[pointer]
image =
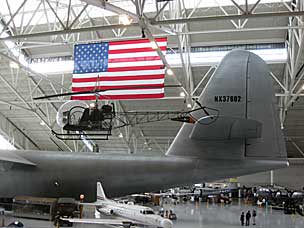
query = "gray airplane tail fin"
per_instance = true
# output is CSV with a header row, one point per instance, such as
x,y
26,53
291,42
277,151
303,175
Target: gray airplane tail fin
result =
x,y
101,196
243,118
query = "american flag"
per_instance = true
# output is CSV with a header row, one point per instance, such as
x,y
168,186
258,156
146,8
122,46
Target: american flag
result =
x,y
130,69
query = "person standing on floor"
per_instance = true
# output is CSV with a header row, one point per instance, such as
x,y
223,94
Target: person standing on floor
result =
x,y
254,214
248,216
242,218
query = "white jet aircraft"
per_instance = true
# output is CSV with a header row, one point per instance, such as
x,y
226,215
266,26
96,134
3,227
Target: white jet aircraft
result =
x,y
134,214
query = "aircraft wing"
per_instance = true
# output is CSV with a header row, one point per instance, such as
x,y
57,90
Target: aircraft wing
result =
x,y
10,156
114,222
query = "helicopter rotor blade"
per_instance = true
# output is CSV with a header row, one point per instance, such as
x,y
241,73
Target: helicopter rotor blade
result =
x,y
67,94
100,90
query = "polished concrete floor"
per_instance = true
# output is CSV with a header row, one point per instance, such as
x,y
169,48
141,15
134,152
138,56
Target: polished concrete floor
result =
x,y
204,215
217,216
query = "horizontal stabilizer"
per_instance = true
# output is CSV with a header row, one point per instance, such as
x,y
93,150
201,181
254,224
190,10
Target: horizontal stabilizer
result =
x,y
10,156
225,128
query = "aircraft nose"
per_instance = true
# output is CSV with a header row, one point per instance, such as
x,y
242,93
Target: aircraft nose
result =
x,y
166,223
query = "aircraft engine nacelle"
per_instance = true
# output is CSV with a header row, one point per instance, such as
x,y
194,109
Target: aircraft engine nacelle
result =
x,y
106,211
70,111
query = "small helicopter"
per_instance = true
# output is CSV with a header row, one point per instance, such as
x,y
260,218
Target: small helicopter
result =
x,y
97,120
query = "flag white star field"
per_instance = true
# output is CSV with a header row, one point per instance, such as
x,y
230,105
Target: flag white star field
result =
x,y
129,69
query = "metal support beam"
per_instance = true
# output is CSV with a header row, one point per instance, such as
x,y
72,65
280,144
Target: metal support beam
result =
x,y
297,147
294,72
38,115
13,16
15,135
27,69
39,44
15,105
160,10
56,15
184,45
278,81
254,6
103,4
239,7
227,17
78,16
153,22
204,78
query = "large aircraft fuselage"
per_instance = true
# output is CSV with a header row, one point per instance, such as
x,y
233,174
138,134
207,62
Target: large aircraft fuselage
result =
x,y
72,174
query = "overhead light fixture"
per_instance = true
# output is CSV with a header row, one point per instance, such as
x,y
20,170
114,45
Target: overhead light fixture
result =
x,y
125,19
169,72
182,94
153,45
120,135
42,123
149,148
14,65
189,105
81,197
303,86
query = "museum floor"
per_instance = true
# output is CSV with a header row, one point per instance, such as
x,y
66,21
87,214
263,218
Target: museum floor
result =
x,y
204,215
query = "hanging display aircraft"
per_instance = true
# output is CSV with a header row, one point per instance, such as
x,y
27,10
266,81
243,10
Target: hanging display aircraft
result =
x,y
97,120
242,136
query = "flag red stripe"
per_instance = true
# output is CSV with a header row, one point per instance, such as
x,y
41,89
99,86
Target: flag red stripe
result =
x,y
131,68
119,87
119,78
130,50
163,39
134,59
120,97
